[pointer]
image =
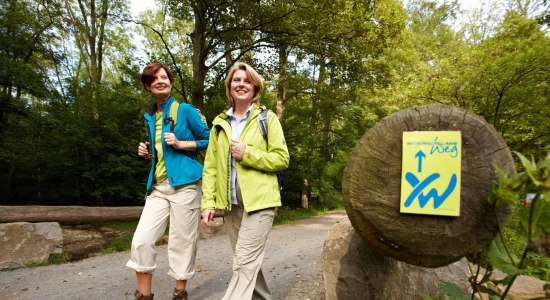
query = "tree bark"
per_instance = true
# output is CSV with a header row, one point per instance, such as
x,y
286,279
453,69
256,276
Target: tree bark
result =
x,y
198,39
281,81
313,126
372,188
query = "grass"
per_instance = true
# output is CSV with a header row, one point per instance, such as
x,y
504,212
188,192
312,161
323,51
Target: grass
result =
x,y
119,244
117,225
54,259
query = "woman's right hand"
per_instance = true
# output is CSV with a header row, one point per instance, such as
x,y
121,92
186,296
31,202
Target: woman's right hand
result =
x,y
142,150
208,216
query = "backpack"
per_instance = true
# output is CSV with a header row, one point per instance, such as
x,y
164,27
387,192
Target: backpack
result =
x,y
282,175
174,108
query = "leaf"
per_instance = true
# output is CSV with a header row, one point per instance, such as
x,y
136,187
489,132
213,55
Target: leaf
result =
x,y
502,178
530,168
502,197
541,216
546,183
515,183
501,259
453,291
429,297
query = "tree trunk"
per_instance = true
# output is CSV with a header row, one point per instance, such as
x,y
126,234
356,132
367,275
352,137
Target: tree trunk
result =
x,y
313,125
281,82
198,39
72,214
305,193
372,188
324,154
93,36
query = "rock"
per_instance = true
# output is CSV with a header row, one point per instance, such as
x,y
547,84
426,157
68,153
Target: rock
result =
x,y
81,242
23,243
217,227
524,288
352,271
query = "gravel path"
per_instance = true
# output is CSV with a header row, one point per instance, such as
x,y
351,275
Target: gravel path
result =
x,y
292,267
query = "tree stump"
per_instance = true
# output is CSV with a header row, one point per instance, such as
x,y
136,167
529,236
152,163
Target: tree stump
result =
x,y
372,184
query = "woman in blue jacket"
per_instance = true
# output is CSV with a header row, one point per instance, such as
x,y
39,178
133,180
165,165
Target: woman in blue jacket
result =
x,y
173,188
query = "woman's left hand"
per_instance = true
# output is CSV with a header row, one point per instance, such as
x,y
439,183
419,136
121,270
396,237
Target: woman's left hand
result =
x,y
171,139
237,149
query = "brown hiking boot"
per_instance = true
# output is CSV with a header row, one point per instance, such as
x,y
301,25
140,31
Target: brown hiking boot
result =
x,y
140,296
180,295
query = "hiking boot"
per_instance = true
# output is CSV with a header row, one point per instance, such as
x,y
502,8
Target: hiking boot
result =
x,y
180,295
140,296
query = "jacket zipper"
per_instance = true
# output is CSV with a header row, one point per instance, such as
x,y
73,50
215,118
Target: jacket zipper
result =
x,y
229,171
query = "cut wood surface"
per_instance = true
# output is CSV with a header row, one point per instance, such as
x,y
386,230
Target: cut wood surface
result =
x,y
372,185
68,214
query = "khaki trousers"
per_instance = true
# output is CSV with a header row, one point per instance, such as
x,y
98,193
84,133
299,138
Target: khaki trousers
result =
x,y
248,234
179,207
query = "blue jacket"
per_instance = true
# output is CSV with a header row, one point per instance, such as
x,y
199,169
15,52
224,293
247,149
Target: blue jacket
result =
x,y
181,165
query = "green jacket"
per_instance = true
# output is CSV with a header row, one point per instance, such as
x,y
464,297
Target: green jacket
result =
x,y
256,172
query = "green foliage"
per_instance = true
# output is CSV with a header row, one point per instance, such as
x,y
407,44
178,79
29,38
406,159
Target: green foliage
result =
x,y
501,258
515,251
61,258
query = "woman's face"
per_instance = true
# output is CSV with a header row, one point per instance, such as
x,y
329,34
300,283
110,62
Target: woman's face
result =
x,y
161,86
242,90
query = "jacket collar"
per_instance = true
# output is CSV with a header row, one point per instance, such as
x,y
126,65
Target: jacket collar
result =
x,y
164,106
220,118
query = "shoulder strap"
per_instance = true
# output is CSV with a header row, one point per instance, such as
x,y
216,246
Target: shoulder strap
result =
x,y
262,123
174,108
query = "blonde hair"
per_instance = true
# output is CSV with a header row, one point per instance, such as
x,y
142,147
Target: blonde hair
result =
x,y
252,75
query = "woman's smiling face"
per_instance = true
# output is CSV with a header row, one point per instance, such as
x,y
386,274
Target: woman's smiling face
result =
x,y
161,86
242,90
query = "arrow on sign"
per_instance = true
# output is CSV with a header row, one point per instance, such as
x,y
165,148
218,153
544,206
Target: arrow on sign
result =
x,y
420,154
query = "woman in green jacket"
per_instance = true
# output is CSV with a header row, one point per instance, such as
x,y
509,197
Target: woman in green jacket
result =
x,y
239,177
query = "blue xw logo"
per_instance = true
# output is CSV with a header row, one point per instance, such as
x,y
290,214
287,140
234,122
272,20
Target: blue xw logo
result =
x,y
420,186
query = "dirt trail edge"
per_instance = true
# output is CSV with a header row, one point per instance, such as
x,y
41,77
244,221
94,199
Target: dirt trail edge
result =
x,y
292,268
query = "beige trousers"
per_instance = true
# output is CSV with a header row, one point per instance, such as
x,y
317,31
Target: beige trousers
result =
x,y
248,234
179,207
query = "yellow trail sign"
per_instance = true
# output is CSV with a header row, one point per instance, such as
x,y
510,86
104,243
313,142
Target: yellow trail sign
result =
x,y
430,177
